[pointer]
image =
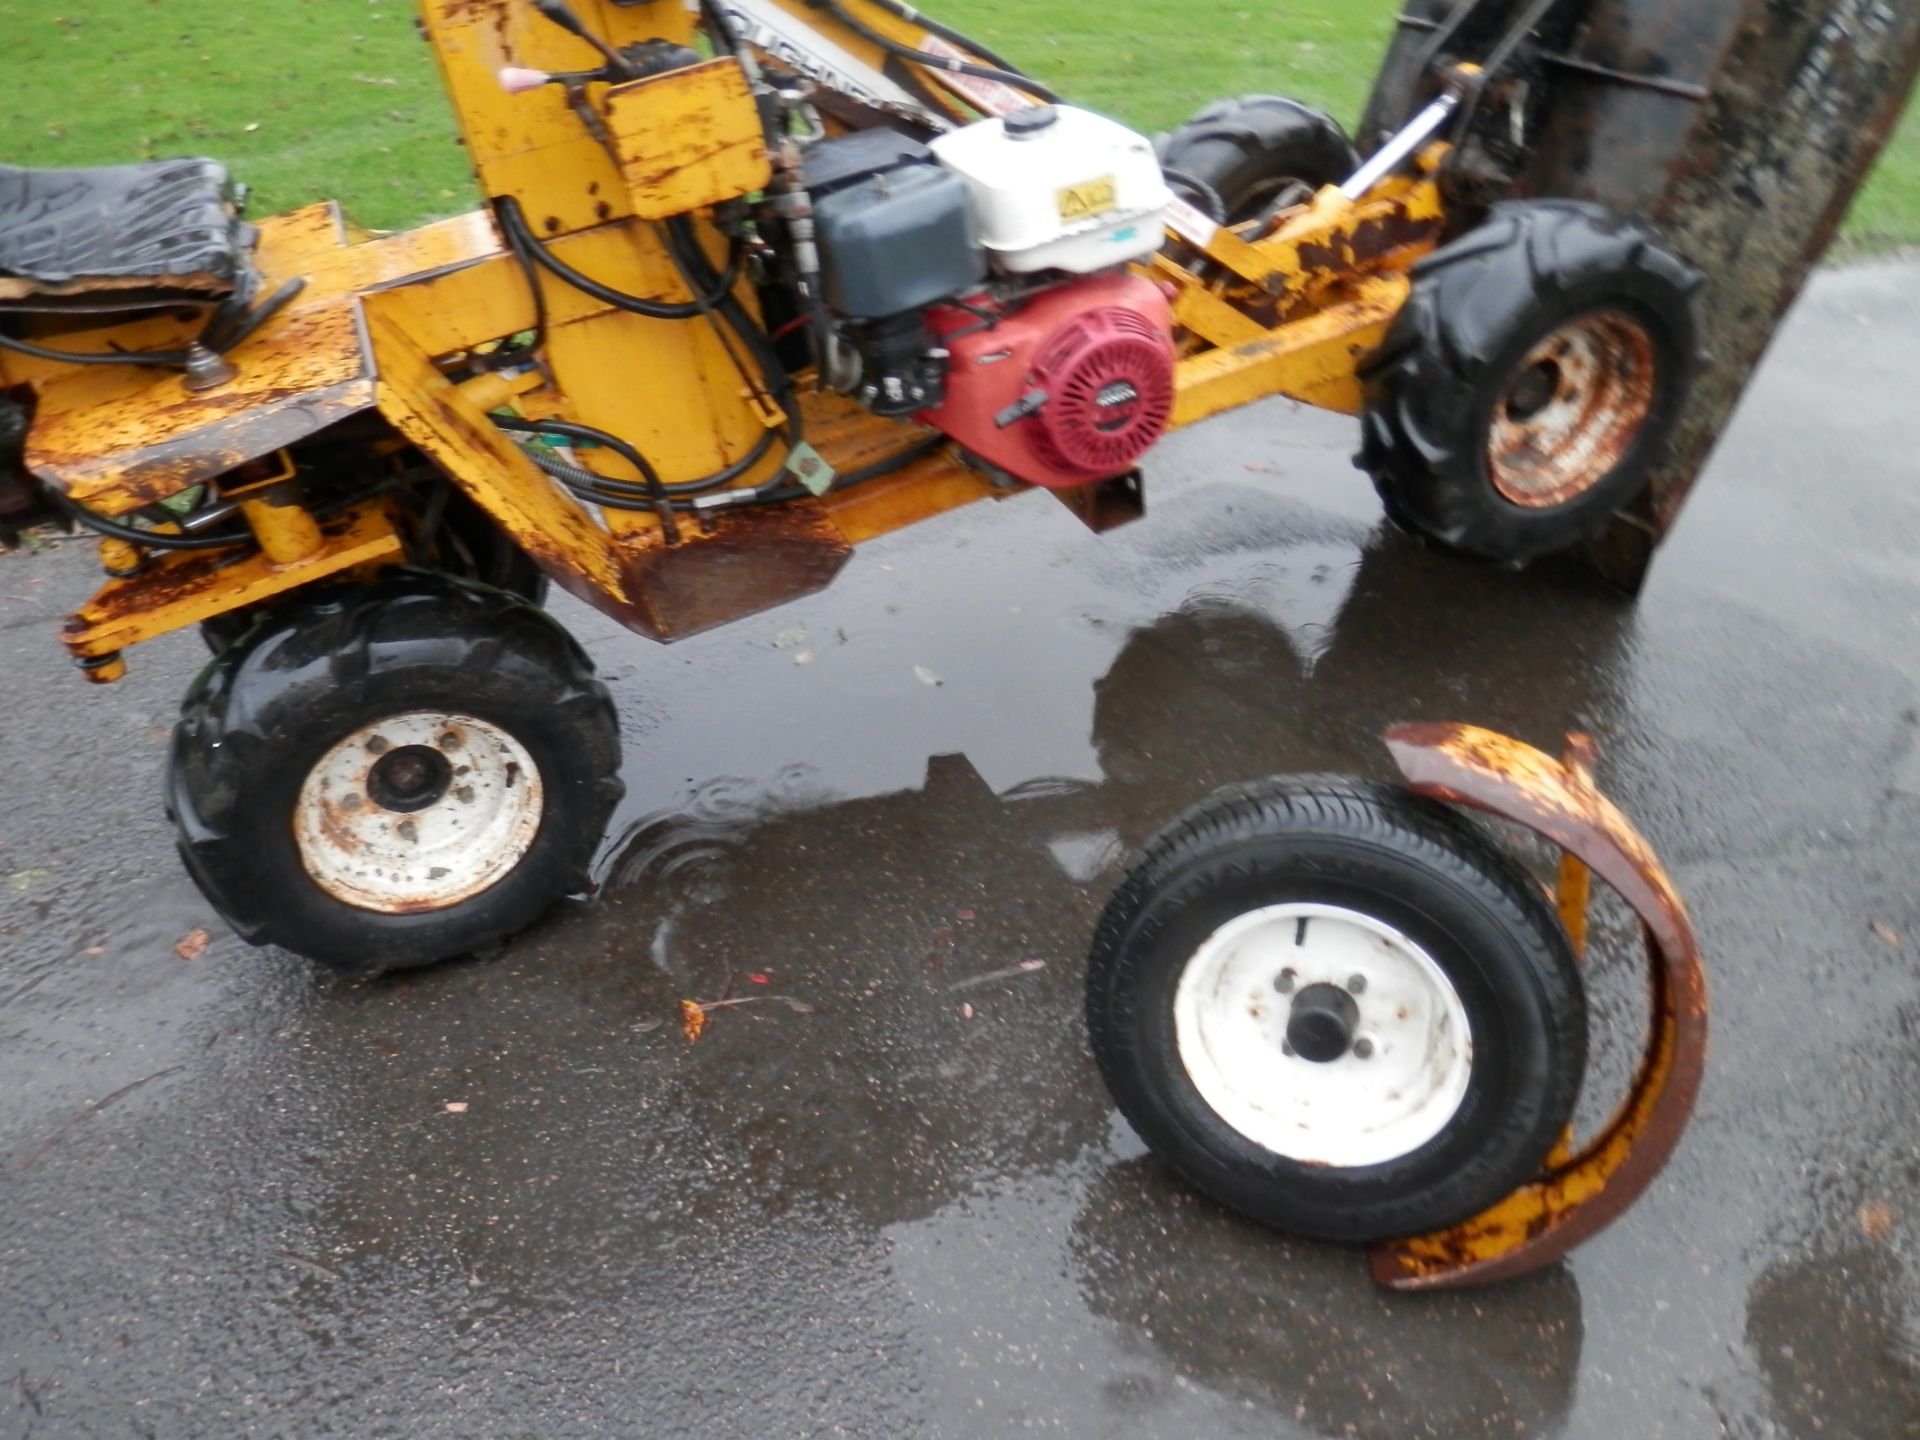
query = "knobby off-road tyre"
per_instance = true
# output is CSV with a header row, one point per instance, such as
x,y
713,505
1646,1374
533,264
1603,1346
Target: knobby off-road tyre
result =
x,y
1260,150
1335,1007
1533,380
378,777
469,545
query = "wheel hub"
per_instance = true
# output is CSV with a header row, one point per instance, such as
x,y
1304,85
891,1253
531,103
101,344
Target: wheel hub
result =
x,y
1321,1023
409,780
1573,410
1323,1034
417,812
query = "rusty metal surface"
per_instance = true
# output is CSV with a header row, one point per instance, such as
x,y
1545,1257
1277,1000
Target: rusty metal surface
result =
x,y
1313,358
688,139
1106,504
554,530
1580,1196
746,562
1578,402
1750,185
179,589
118,439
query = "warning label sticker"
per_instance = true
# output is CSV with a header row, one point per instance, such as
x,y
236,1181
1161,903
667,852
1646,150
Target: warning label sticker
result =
x,y
1083,201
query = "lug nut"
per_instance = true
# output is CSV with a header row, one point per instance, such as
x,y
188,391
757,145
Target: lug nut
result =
x,y
1363,1049
1284,981
1356,985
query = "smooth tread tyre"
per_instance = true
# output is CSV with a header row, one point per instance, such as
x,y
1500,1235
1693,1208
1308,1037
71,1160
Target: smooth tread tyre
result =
x,y
1260,151
1533,380
381,776
1335,1007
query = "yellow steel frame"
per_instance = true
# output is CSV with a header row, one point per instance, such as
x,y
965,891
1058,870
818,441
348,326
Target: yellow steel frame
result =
x,y
383,325
1291,313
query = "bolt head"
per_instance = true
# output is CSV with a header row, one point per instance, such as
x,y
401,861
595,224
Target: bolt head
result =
x,y
1363,1049
1285,980
1356,984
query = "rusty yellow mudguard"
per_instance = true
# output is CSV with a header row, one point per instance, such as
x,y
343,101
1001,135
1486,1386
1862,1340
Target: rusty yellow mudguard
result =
x,y
1578,1195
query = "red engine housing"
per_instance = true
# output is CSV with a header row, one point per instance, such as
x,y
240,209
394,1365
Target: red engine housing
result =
x,y
1099,350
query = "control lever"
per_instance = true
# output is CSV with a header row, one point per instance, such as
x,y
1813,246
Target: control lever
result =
x,y
560,13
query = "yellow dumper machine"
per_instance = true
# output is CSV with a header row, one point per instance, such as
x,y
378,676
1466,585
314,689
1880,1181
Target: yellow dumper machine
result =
x,y
758,279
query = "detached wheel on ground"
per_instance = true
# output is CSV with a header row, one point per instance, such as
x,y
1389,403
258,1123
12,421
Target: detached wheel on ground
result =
x,y
1336,1008
1258,154
1532,381
383,776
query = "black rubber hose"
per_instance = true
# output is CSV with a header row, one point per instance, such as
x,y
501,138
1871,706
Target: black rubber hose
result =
x,y
218,338
656,490
936,62
114,530
605,489
781,494
221,540
947,32
514,221
692,262
147,359
589,485
530,271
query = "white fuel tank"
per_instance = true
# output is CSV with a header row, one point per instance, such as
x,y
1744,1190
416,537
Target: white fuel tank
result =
x,y
1058,188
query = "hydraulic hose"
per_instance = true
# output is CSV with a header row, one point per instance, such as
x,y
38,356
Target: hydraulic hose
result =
x,y
521,237
114,530
148,359
936,62
589,483
220,540
688,258
948,33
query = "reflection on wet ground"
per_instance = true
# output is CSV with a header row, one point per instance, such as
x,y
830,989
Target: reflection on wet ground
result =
x,y
886,1195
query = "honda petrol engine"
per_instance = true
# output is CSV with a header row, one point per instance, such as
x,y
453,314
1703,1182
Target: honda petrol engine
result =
x,y
981,285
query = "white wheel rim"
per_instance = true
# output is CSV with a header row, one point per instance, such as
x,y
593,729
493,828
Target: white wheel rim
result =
x,y
373,839
1396,1087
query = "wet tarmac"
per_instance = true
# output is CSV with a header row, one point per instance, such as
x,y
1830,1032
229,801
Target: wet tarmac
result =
x,y
509,1198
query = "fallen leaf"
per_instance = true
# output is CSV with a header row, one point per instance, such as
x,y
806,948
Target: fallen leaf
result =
x,y
693,1019
759,979
926,676
193,944
1876,1220
966,1012
251,126
96,950
1884,932
963,914
456,1107
647,1027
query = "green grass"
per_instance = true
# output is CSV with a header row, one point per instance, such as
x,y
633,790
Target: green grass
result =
x,y
306,99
